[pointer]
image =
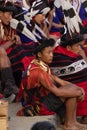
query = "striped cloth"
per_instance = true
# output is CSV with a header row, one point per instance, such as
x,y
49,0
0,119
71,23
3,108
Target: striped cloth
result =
x,y
71,67
20,55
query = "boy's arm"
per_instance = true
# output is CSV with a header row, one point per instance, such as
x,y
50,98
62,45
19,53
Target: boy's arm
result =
x,y
59,81
68,90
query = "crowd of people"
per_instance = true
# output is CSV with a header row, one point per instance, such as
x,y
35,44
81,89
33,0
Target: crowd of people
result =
x,y
43,58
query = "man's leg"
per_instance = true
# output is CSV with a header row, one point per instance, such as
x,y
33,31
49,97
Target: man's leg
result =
x,y
70,114
79,124
6,74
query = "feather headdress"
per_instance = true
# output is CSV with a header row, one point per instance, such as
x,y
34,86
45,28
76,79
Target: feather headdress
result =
x,y
21,27
72,18
37,7
26,29
76,4
84,3
25,5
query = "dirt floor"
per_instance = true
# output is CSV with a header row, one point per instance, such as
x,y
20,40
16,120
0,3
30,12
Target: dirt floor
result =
x,y
25,123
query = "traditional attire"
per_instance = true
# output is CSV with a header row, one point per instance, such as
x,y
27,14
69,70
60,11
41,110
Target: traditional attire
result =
x,y
71,67
16,52
43,102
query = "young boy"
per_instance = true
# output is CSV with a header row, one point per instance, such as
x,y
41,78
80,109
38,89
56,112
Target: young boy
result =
x,y
47,93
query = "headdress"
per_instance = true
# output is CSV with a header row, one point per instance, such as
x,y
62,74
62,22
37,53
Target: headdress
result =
x,y
38,7
84,3
71,17
22,27
25,4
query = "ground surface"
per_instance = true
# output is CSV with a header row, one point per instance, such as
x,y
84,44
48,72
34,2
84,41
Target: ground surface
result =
x,y
25,123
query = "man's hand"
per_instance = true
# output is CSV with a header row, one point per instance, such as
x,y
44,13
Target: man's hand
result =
x,y
81,98
16,39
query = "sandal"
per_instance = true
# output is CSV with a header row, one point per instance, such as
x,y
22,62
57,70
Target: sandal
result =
x,y
27,111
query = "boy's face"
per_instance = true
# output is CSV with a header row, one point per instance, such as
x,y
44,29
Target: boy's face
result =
x,y
46,55
5,17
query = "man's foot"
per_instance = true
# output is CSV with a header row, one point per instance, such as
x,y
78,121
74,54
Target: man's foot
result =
x,y
71,127
81,126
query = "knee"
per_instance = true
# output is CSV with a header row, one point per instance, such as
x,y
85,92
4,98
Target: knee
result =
x,y
79,92
2,51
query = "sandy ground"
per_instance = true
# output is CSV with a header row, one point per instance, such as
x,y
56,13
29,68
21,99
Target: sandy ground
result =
x,y
25,123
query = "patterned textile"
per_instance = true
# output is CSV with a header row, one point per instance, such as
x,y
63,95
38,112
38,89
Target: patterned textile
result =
x,y
73,68
18,53
35,94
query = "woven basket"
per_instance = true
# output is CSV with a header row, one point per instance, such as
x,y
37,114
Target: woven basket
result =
x,y
3,108
3,123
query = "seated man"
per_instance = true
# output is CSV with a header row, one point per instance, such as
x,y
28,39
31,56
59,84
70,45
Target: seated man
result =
x,y
47,93
6,40
70,63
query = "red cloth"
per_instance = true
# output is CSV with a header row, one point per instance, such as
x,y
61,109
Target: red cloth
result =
x,y
33,81
1,96
9,49
85,22
26,61
64,58
55,34
64,51
82,106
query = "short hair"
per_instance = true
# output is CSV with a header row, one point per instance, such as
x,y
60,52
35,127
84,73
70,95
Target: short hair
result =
x,y
66,39
43,43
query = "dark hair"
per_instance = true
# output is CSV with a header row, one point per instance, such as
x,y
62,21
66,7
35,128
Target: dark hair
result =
x,y
43,43
7,7
45,125
66,39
